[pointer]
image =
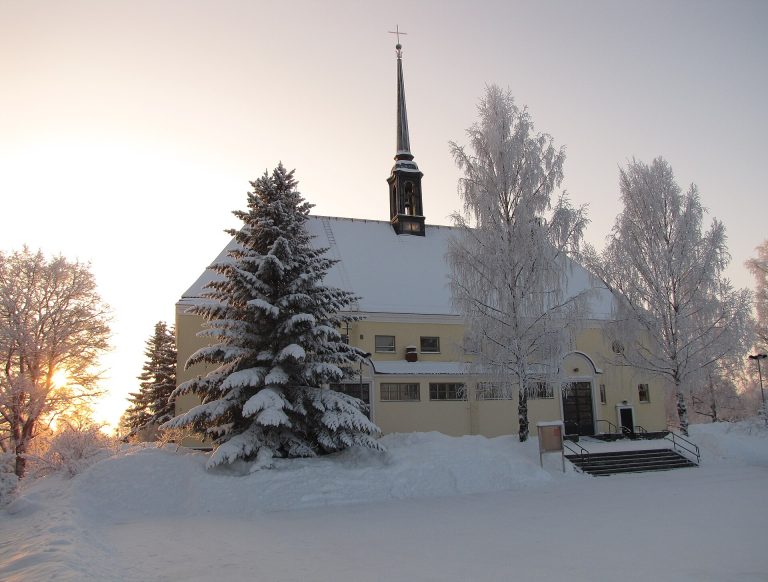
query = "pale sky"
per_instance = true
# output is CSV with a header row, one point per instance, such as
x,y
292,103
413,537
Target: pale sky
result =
x,y
129,130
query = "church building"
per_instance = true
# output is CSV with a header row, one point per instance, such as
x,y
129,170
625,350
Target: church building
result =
x,y
417,376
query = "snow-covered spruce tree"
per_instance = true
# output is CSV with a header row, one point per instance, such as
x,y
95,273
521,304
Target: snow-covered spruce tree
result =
x,y
677,311
137,414
509,263
276,341
158,378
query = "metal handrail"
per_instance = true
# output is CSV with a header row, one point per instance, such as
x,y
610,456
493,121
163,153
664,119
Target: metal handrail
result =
x,y
584,452
636,429
613,427
694,451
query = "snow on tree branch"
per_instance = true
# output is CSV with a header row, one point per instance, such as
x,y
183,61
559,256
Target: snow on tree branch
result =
x,y
510,263
275,339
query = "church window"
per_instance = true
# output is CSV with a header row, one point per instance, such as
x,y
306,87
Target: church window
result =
x,y
354,389
410,226
393,392
430,344
385,343
540,390
446,391
602,394
643,393
494,391
410,199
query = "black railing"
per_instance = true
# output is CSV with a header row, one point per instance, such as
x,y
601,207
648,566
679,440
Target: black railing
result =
x,y
583,455
634,431
612,428
673,437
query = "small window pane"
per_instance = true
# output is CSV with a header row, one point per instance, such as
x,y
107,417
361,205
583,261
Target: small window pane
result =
x,y
446,391
602,394
392,392
494,391
643,393
540,390
356,390
430,345
385,343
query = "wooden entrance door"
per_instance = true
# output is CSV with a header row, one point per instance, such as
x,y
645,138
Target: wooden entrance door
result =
x,y
627,421
577,409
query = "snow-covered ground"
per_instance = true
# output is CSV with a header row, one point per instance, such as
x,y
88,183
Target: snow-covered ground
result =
x,y
431,508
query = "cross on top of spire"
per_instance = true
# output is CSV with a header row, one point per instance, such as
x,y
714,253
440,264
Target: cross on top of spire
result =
x,y
398,46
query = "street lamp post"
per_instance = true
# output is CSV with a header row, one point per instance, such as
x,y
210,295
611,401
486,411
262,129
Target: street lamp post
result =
x,y
757,358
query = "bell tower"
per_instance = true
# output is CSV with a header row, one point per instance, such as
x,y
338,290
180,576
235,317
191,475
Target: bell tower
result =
x,y
405,208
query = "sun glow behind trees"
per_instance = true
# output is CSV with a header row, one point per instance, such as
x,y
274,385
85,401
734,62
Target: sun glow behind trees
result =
x,y
108,191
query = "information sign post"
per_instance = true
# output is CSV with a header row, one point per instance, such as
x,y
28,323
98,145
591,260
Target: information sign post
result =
x,y
550,440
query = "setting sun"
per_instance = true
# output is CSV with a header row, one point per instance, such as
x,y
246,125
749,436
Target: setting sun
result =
x,y
60,378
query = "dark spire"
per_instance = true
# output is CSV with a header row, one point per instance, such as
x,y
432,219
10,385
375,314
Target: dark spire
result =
x,y
403,140
406,212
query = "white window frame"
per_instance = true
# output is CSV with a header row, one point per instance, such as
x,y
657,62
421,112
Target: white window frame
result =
x,y
494,391
460,392
429,337
535,390
385,349
403,389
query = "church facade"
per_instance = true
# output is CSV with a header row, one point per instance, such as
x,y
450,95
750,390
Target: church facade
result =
x,y
417,376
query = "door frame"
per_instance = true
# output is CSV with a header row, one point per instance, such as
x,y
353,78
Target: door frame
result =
x,y
619,408
580,380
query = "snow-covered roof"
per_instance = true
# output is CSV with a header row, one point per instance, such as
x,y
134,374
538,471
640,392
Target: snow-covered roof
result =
x,y
403,367
394,273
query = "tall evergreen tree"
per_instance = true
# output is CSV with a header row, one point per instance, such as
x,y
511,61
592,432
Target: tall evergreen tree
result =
x,y
137,414
276,341
152,404
158,380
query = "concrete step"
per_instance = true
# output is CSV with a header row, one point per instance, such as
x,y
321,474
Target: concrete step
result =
x,y
630,461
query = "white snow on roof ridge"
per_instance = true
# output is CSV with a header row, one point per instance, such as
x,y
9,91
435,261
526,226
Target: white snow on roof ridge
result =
x,y
403,367
393,273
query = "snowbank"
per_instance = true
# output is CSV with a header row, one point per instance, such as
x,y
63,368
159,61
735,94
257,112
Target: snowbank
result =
x,y
743,442
431,508
159,482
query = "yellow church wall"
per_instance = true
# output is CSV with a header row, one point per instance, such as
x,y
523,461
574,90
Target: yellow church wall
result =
x,y
187,343
492,418
450,417
470,416
407,333
621,385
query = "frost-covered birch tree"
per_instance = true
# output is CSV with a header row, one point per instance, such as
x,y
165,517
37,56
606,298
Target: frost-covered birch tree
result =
x,y
759,268
275,338
714,391
510,261
53,328
677,311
